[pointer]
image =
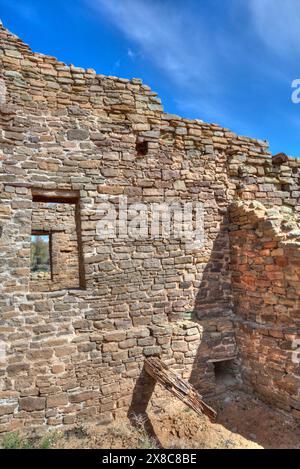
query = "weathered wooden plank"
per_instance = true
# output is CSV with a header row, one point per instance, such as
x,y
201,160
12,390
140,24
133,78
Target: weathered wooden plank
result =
x,y
178,387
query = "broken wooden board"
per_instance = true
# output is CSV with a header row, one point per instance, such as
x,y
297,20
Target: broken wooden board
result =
x,y
178,387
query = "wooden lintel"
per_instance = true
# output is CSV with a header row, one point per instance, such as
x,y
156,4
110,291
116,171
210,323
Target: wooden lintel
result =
x,y
58,196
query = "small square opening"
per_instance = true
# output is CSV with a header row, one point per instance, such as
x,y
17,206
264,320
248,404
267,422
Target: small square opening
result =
x,y
225,372
142,147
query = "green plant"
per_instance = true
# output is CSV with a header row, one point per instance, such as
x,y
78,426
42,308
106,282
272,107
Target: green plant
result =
x,y
49,439
14,441
40,254
144,440
27,444
45,443
11,441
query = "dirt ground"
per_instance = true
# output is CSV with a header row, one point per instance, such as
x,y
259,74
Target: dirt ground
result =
x,y
257,422
243,422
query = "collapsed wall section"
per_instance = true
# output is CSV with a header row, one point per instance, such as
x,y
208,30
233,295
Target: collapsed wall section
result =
x,y
266,280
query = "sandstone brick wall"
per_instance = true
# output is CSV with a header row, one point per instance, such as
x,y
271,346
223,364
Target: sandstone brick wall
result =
x,y
59,220
266,281
77,354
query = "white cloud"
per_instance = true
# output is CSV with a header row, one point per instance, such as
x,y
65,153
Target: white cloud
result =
x,y
165,36
211,57
277,22
178,40
131,54
134,54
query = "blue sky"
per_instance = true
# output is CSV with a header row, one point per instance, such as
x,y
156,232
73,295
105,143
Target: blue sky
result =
x,y
231,62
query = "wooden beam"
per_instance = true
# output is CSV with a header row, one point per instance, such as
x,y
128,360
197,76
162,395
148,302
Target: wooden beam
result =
x,y
178,387
55,196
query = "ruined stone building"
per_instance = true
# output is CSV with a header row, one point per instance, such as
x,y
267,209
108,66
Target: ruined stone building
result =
x,y
73,342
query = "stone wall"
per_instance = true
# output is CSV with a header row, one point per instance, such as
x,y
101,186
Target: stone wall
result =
x,y
265,235
266,282
68,133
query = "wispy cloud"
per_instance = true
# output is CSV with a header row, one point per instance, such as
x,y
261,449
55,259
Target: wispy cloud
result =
x,y
213,65
135,54
277,22
165,35
131,54
26,11
180,42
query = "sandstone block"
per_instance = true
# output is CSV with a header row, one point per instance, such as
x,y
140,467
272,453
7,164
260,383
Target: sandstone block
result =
x,y
31,404
77,134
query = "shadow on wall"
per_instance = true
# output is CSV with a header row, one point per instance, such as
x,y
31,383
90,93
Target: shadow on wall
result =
x,y
212,311
142,393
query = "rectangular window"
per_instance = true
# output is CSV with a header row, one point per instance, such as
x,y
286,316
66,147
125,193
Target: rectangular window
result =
x,y
56,250
40,256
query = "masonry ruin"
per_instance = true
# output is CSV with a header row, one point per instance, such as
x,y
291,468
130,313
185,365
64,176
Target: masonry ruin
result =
x,y
75,340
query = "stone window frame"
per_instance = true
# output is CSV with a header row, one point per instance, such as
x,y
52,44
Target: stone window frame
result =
x,y
65,197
